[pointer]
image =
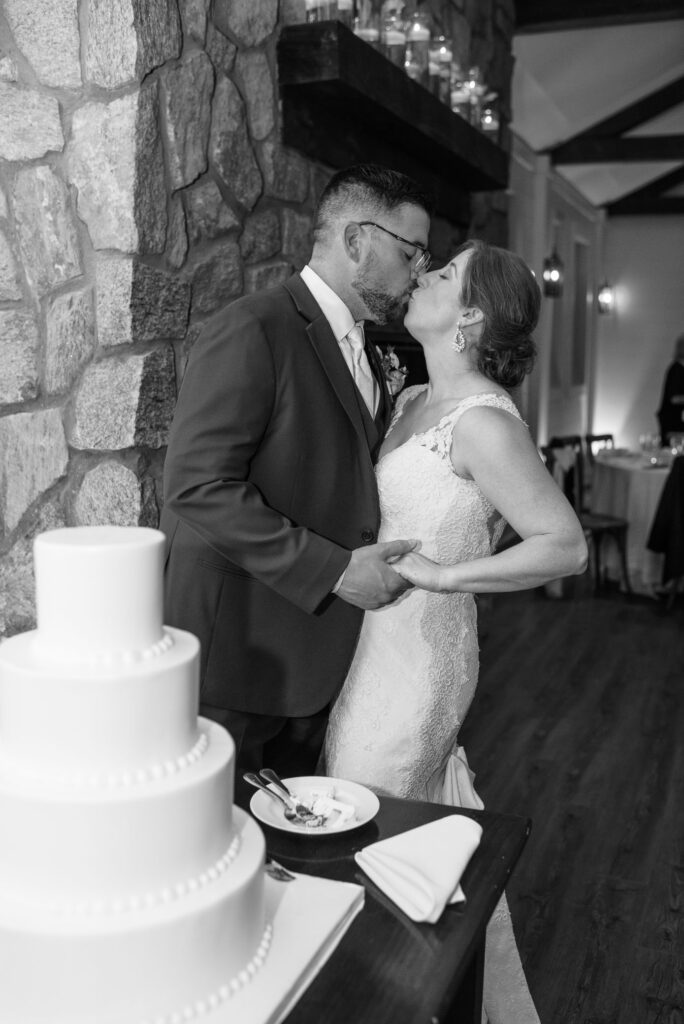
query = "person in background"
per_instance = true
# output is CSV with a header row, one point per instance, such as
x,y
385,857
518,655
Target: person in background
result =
x,y
671,411
456,462
270,500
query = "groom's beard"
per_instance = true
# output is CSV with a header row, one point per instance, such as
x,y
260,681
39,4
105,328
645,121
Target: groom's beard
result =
x,y
382,306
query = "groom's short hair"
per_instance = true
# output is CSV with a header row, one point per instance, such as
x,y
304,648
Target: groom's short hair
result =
x,y
365,190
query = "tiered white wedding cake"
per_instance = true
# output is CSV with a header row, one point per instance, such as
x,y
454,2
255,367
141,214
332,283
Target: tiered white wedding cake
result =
x,y
131,888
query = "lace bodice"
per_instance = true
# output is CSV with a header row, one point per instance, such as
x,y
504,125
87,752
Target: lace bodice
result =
x,y
422,496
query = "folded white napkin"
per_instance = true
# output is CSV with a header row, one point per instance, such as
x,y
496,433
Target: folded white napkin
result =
x,y
420,870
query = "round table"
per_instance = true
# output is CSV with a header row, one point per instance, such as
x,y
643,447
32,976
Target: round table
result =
x,y
628,485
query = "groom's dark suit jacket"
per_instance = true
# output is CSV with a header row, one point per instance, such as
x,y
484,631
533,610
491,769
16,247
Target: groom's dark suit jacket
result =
x,y
268,484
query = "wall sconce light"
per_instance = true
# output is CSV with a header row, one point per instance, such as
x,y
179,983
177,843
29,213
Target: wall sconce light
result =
x,y
553,275
605,298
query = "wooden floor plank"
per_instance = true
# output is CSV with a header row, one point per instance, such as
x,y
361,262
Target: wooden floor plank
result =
x,y
578,722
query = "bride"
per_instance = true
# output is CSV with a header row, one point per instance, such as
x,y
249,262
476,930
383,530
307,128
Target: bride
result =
x,y
456,463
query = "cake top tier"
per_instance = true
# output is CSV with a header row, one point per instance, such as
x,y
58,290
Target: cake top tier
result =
x,y
99,592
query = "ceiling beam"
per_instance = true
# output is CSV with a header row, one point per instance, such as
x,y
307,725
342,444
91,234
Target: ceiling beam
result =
x,y
638,113
651,198
557,15
621,149
645,206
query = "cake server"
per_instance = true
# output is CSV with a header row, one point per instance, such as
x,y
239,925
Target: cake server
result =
x,y
270,776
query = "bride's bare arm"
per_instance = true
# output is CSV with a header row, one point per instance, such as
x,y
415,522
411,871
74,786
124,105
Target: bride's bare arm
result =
x,y
495,450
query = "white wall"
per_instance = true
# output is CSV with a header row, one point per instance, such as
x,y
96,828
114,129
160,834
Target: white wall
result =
x,y
643,260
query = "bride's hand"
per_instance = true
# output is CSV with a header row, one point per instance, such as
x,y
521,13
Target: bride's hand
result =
x,y
420,571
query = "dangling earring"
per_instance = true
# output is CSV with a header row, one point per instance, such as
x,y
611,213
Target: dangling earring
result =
x,y
459,342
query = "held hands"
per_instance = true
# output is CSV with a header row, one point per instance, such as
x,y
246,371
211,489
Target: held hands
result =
x,y
421,572
369,581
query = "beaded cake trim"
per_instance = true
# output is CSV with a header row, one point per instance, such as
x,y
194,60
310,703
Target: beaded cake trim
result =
x,y
114,906
101,659
215,1000
127,778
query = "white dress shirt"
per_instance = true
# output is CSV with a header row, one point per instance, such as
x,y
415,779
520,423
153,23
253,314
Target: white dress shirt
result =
x,y
341,323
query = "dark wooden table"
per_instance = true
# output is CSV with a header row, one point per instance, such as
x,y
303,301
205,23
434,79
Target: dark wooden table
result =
x,y
388,969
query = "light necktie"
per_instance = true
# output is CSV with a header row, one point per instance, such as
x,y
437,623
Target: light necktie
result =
x,y
363,376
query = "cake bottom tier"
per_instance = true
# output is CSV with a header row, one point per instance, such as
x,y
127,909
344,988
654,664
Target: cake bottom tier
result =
x,y
160,965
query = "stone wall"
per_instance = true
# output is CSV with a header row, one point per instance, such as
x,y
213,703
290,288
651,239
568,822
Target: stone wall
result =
x,y
142,187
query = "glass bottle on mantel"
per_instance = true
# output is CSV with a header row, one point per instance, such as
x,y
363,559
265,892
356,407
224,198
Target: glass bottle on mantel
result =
x,y
393,38
345,12
460,93
418,46
440,60
477,89
489,116
321,10
367,22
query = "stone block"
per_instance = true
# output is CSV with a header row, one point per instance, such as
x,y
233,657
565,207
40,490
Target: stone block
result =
x,y
115,160
267,276
286,173
230,150
261,237
221,51
70,339
249,21
46,228
292,12
9,72
18,356
46,32
10,284
17,583
194,19
125,402
127,39
187,92
257,88
4,209
176,234
217,278
137,303
110,495
208,214
30,124
297,236
33,457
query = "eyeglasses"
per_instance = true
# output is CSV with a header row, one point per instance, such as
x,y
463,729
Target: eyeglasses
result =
x,y
424,259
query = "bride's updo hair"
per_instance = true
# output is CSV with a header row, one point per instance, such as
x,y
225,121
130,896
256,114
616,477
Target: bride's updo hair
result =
x,y
503,287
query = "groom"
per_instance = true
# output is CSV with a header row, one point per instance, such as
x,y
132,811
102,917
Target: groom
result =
x,y
271,508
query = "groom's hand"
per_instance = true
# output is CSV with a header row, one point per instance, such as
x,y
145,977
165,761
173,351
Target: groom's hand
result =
x,y
369,581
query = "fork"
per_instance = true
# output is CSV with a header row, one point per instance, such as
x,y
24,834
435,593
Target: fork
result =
x,y
307,817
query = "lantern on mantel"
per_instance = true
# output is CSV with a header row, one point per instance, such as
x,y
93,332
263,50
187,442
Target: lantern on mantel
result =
x,y
553,275
605,298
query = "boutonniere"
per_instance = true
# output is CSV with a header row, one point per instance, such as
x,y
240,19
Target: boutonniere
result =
x,y
395,375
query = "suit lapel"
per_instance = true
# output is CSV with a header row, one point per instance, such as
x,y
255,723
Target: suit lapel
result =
x,y
328,351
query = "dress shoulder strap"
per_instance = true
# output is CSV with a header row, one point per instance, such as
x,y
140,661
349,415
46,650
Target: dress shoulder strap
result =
x,y
493,399
439,437
402,398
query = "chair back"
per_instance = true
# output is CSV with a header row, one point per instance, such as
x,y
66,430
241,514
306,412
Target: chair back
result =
x,y
565,461
596,443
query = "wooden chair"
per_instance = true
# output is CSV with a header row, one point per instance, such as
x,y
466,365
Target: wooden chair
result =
x,y
596,525
596,443
593,443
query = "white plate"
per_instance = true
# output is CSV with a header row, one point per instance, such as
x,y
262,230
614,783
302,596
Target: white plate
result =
x,y
271,812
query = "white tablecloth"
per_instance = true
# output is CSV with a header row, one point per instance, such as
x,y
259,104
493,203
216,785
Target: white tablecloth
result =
x,y
624,485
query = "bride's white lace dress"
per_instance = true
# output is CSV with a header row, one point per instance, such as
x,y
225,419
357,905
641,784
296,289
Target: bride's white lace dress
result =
x,y
395,724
